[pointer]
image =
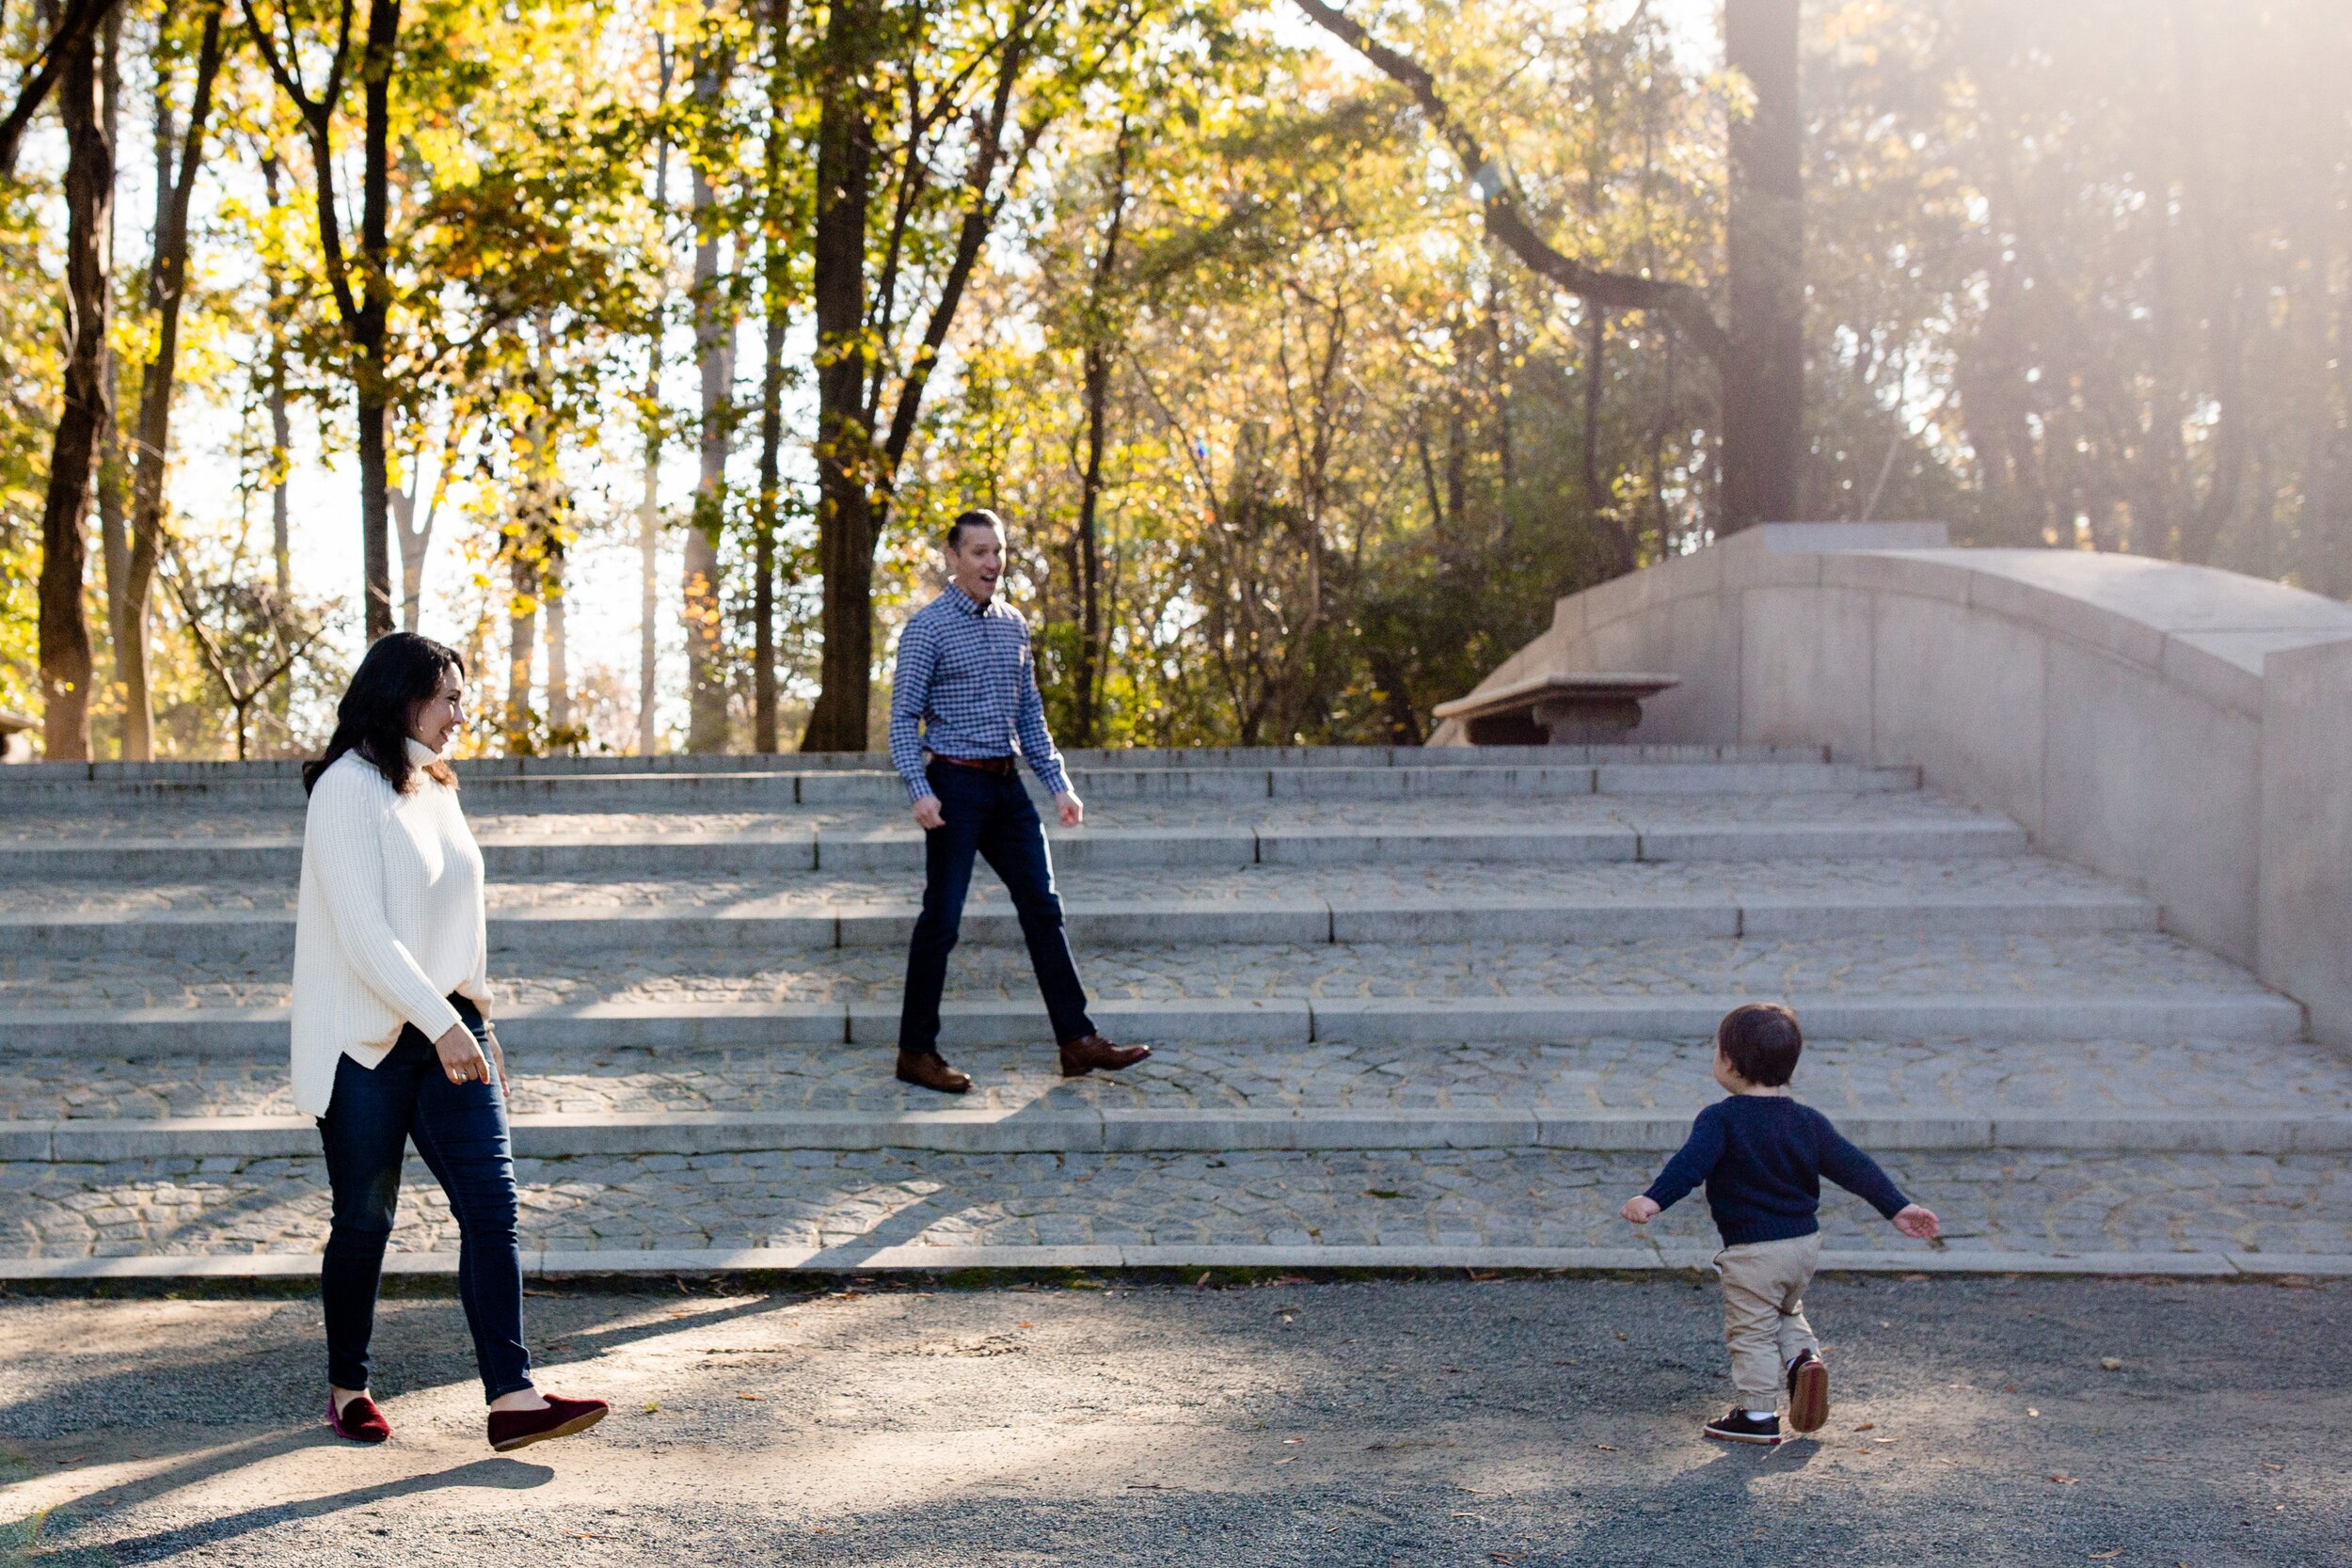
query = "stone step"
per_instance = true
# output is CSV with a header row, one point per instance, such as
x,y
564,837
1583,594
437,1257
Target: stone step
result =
x,y
254,847
1196,756
1392,903
2149,1079
735,789
2006,987
844,1210
561,1136
1629,1094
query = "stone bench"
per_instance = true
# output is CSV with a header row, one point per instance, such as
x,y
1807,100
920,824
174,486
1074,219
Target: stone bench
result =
x,y
1580,709
15,733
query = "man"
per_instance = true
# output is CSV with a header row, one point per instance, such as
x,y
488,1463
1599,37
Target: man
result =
x,y
966,678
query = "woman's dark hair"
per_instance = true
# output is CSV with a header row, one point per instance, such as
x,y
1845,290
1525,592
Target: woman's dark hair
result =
x,y
400,673
1761,1041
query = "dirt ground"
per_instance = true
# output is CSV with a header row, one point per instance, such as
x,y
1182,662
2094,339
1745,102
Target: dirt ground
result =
x,y
1412,1422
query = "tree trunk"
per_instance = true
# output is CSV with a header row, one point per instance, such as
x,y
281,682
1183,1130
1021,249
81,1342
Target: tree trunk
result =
x,y
763,521
523,627
369,332
64,636
649,504
775,302
1763,377
558,660
1096,375
706,627
280,424
167,286
416,541
845,444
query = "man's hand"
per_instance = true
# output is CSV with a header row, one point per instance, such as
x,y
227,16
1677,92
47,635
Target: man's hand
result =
x,y
462,1060
927,814
1640,1209
1918,1223
1073,810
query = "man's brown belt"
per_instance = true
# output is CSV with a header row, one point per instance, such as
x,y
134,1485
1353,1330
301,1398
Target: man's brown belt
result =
x,y
1001,766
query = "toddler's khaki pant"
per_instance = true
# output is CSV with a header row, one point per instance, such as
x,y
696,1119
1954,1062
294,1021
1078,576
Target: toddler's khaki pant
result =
x,y
1764,1313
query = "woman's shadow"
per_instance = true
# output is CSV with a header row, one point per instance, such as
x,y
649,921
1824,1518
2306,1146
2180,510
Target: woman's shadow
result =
x,y
508,1475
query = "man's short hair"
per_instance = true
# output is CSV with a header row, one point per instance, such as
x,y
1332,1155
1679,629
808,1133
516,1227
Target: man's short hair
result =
x,y
980,516
1761,1041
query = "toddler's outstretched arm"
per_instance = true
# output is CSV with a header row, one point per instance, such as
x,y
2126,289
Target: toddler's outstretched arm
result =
x,y
1918,1223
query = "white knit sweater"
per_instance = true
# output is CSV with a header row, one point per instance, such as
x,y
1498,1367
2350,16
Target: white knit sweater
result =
x,y
390,919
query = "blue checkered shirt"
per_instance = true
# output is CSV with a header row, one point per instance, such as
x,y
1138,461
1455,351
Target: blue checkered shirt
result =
x,y
966,680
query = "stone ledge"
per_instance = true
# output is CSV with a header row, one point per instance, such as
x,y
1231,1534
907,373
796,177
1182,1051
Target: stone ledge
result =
x,y
546,1264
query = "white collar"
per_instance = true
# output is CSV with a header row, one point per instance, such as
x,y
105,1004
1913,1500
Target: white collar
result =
x,y
419,754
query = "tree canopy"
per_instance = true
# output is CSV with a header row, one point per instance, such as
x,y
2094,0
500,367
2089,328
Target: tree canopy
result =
x,y
1312,349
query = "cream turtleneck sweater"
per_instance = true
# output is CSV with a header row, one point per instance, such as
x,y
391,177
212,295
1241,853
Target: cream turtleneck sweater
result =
x,y
390,919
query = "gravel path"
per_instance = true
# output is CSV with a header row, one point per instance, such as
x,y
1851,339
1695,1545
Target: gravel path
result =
x,y
1386,1423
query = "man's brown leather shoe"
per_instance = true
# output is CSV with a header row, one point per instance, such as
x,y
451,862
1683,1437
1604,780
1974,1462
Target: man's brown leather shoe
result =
x,y
932,1071
1082,1056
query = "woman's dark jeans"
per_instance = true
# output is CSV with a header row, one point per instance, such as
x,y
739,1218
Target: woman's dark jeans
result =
x,y
460,1130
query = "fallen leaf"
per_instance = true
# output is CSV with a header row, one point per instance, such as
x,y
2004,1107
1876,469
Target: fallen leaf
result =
x,y
1459,1514
1289,1442
653,1406
1606,1447
1286,1459
2031,1411
1620,1334
1507,1557
1028,1325
2267,1465
753,1397
2111,1363
1882,1439
2063,1477
1866,1426
2102,1556
1202,1280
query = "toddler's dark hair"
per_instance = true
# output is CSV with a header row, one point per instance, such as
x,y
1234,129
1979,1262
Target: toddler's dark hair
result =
x,y
1761,1041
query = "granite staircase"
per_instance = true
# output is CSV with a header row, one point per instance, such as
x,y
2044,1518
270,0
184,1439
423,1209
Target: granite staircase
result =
x,y
1409,1007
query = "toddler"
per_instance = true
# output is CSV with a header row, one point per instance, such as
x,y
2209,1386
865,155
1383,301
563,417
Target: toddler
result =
x,y
1763,1156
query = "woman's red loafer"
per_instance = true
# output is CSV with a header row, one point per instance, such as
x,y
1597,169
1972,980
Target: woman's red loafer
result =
x,y
520,1429
359,1419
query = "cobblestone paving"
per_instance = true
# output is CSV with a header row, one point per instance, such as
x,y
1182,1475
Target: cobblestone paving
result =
x,y
1996,1201
1925,1077
1986,879
2137,963
165,822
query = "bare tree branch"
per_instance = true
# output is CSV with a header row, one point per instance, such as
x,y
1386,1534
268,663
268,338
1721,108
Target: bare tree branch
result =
x,y
1506,220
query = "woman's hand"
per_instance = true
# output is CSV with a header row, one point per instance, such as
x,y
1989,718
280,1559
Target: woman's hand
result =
x,y
461,1055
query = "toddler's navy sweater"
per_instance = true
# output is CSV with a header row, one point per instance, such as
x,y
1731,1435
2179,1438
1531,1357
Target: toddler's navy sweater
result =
x,y
1762,1157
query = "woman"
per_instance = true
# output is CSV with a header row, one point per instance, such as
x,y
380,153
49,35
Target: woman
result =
x,y
391,1034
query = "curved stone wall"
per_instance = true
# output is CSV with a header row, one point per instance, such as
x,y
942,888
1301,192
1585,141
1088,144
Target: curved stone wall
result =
x,y
2185,731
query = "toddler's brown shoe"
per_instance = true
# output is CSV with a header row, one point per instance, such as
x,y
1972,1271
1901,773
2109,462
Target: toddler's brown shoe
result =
x,y
1808,1392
